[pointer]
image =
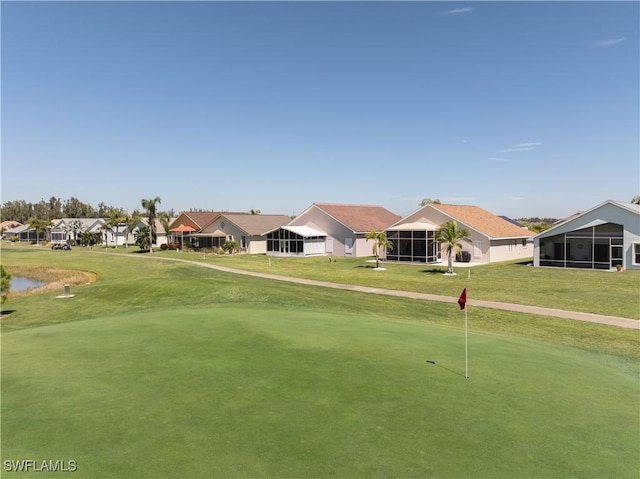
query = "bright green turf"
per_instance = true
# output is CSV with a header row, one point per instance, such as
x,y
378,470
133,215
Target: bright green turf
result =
x,y
266,390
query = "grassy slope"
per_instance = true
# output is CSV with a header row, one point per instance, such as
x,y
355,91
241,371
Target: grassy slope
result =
x,y
262,391
600,292
188,372
138,284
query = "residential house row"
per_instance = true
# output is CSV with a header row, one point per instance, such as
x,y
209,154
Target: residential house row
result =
x,y
602,237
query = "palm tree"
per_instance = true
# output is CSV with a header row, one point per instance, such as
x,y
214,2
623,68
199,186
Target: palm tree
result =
x,y
39,226
164,218
379,241
75,227
150,206
143,238
450,236
132,223
114,220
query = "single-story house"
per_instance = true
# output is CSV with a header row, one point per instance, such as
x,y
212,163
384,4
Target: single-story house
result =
x,y
491,238
7,225
331,229
248,230
24,233
602,237
66,229
126,236
193,224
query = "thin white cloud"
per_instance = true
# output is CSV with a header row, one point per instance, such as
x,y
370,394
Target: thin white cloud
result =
x,y
499,159
456,11
609,43
509,150
516,198
525,145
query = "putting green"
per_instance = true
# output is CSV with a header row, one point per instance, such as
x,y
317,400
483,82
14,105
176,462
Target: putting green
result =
x,y
243,391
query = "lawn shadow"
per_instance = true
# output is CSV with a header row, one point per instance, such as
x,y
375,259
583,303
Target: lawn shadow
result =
x,y
445,368
525,263
6,312
434,271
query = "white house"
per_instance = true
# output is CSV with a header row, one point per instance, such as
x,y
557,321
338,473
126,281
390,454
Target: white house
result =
x,y
602,237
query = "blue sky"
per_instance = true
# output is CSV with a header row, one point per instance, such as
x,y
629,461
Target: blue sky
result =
x,y
521,108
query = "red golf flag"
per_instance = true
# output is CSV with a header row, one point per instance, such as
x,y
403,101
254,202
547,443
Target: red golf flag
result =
x,y
462,300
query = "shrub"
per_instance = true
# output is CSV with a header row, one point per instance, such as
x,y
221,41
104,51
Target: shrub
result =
x,y
13,239
230,246
5,284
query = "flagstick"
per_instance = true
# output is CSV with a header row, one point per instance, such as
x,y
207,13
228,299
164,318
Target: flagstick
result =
x,y
466,354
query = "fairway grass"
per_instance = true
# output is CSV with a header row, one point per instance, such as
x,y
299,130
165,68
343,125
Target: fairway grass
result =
x,y
242,390
161,369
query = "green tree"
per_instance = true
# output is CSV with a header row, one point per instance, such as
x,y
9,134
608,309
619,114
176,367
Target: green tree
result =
x,y
164,219
143,238
74,208
89,238
75,228
379,241
132,223
115,219
230,246
427,201
41,226
150,206
5,284
450,236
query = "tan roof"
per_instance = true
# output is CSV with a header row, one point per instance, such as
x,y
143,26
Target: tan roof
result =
x,y
200,219
10,224
257,224
360,218
481,220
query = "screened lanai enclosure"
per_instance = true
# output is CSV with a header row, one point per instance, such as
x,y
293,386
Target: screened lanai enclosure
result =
x,y
296,241
415,246
594,247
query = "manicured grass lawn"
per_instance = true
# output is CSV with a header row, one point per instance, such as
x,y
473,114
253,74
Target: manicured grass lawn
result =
x,y
600,292
162,369
263,391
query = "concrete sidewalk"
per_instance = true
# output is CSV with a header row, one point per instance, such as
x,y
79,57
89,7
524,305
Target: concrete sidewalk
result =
x,y
556,313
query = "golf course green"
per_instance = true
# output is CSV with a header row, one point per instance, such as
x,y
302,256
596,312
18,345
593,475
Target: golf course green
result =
x,y
159,370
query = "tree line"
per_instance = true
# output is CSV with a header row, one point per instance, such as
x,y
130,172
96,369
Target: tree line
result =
x,y
56,208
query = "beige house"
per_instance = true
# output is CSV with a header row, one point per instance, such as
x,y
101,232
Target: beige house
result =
x,y
491,238
248,230
195,222
331,229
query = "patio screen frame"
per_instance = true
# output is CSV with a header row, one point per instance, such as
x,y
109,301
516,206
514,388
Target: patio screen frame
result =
x,y
412,246
594,247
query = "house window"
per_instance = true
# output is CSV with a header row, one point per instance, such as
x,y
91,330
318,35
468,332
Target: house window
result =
x,y
636,253
329,244
243,242
477,249
348,246
524,242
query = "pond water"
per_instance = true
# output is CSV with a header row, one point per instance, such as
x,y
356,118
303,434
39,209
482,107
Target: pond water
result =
x,y
20,284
